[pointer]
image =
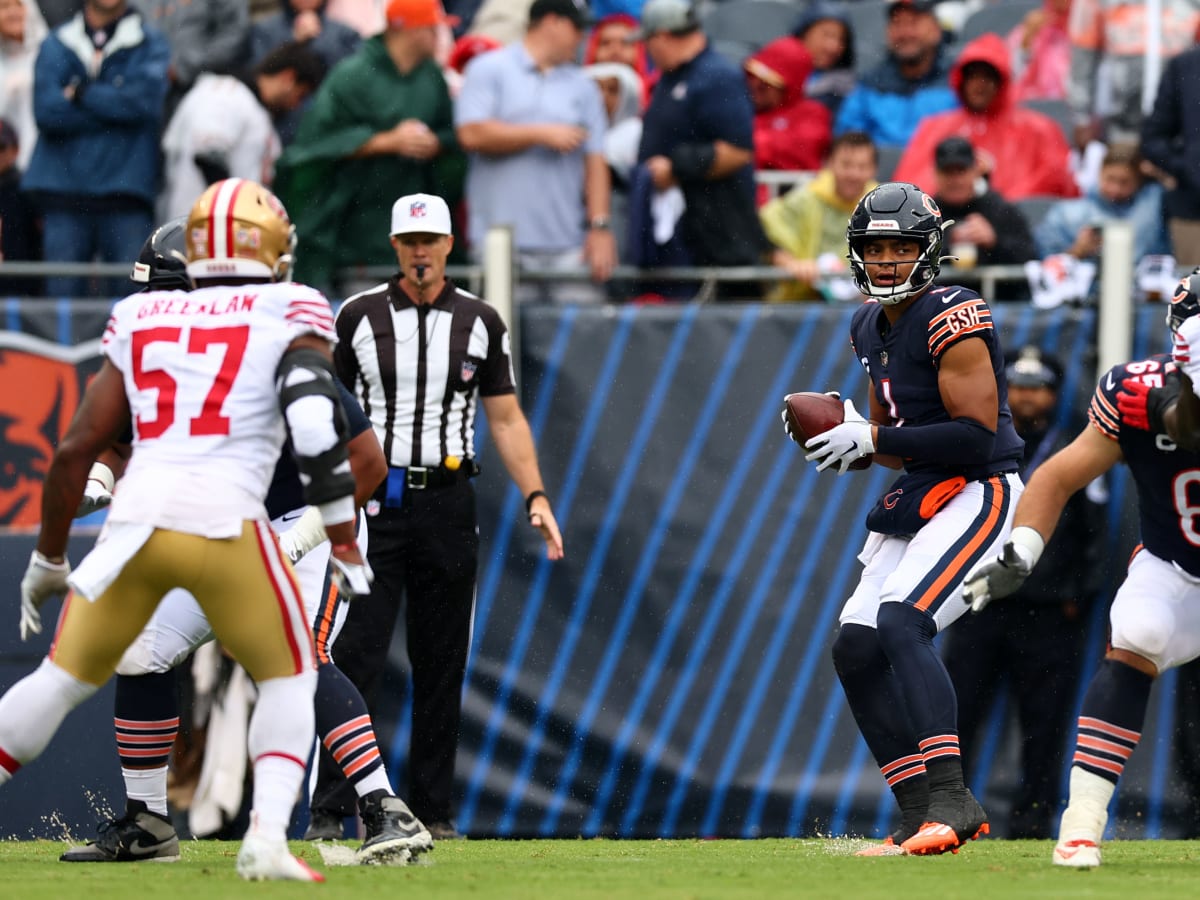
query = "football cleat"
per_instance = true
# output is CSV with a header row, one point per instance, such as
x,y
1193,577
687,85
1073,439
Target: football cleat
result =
x,y
393,834
888,848
1080,853
264,859
138,836
954,817
325,826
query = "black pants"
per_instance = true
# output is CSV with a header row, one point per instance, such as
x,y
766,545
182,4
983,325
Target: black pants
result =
x,y
424,554
1037,649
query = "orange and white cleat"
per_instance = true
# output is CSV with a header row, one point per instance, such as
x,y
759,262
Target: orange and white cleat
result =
x,y
888,848
1080,853
263,859
951,822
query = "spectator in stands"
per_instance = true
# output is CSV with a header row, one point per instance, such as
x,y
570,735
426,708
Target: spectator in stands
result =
x,y
697,136
614,39
790,130
304,21
622,91
20,230
381,124
94,171
987,230
1118,35
22,30
224,129
1023,152
1040,48
825,30
807,225
1075,226
1171,142
205,36
503,20
364,16
909,84
534,126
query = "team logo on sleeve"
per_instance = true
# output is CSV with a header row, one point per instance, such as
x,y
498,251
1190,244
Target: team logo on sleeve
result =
x,y
467,371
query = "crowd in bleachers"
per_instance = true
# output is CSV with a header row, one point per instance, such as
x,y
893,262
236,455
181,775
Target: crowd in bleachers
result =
x,y
628,133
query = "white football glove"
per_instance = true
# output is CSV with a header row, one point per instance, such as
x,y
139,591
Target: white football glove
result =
x,y
1007,572
352,580
43,580
307,533
842,444
97,493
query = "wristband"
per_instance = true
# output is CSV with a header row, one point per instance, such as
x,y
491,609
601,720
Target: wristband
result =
x,y
533,495
1029,543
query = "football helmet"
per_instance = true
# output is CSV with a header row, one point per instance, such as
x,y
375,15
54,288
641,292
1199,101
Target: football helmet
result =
x,y
239,229
897,210
162,264
1185,302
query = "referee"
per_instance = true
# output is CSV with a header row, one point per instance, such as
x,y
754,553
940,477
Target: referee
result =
x,y
419,354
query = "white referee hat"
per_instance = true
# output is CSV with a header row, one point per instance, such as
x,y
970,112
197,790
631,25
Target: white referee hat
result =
x,y
421,213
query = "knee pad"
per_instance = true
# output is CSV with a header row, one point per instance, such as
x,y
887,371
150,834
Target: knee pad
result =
x,y
1143,637
856,648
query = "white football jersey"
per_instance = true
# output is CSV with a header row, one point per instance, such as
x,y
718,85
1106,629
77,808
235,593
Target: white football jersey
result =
x,y
199,371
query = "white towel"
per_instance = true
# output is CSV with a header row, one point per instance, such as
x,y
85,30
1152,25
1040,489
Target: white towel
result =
x,y
666,209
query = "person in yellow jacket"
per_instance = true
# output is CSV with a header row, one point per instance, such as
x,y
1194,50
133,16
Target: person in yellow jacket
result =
x,y
807,225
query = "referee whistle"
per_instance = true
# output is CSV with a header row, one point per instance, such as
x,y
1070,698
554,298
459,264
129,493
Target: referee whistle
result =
x,y
420,272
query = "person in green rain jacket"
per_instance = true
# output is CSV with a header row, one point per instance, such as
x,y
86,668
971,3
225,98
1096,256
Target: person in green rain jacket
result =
x,y
381,125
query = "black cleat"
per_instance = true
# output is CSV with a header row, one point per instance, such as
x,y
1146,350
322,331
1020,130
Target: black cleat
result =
x,y
393,834
138,836
325,826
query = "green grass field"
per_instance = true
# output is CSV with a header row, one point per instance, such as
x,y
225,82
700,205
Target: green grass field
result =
x,y
540,870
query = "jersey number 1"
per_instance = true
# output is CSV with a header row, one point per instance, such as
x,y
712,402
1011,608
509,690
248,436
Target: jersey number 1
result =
x,y
210,421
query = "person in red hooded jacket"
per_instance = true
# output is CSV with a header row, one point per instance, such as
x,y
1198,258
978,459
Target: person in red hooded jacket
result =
x,y
791,131
1023,152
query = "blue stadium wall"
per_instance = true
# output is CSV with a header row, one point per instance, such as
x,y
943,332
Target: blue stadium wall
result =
x,y
671,676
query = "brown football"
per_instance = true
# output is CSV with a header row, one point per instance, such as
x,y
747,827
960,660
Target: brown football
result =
x,y
811,413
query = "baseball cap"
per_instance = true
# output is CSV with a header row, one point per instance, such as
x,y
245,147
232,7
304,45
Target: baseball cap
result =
x,y
925,6
417,14
1033,368
954,152
575,10
674,16
421,213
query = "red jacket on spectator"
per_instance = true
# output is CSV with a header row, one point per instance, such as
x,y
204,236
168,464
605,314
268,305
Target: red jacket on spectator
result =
x,y
1024,151
635,56
797,132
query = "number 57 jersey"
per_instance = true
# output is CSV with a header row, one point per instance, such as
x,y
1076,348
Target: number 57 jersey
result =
x,y
199,372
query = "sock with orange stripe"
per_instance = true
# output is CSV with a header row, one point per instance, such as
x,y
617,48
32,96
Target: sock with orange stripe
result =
x,y
1110,720
345,728
146,720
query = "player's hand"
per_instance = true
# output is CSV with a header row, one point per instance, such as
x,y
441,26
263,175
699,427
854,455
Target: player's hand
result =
x,y
97,493
842,444
43,579
351,573
1142,406
1007,572
787,422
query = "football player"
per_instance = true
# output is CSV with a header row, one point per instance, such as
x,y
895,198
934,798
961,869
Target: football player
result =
x,y
212,381
1155,616
938,409
146,713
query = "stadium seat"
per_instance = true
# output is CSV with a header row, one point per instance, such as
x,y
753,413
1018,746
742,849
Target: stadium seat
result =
x,y
1055,109
744,26
1035,208
888,158
868,19
999,18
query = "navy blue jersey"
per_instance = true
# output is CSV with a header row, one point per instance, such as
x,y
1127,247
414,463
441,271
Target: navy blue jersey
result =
x,y
1167,476
286,493
902,361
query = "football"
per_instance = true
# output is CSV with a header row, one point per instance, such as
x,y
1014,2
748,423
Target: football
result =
x,y
811,413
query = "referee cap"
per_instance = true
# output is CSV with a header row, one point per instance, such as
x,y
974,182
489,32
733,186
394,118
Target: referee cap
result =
x,y
421,213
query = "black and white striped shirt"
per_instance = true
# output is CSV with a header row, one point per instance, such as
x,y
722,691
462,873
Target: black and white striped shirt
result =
x,y
418,370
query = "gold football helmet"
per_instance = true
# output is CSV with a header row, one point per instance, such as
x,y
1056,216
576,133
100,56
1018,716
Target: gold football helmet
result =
x,y
239,228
